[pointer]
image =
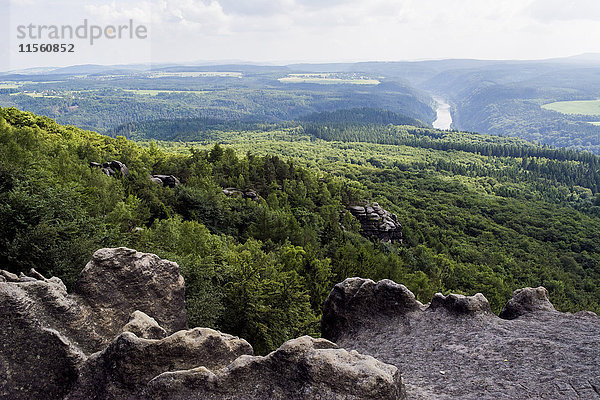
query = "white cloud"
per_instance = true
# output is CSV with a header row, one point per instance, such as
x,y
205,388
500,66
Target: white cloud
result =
x,y
561,10
317,30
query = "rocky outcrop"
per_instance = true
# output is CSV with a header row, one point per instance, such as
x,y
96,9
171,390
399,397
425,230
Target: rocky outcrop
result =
x,y
455,348
165,180
352,304
245,194
105,341
526,301
117,282
124,368
303,368
112,168
459,304
46,332
144,326
376,222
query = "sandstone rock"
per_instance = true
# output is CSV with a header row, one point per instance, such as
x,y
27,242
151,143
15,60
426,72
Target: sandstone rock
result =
x,y
246,194
166,180
303,368
351,304
9,276
36,362
125,367
144,326
117,282
116,166
456,349
526,301
111,168
46,332
376,222
459,304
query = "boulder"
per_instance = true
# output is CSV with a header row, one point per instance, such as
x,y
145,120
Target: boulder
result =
x,y
47,333
117,282
455,348
111,168
116,166
301,369
166,180
246,194
351,304
459,304
525,301
124,368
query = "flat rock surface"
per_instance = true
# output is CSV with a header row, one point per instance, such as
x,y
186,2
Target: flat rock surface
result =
x,y
458,352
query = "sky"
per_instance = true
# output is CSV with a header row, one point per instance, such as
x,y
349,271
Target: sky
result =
x,y
286,31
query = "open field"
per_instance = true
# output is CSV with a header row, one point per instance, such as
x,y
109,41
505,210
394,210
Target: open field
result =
x,y
36,95
154,92
589,107
197,74
326,78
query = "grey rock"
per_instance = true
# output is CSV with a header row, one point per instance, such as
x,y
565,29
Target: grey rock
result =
x,y
111,168
526,301
36,362
156,180
301,369
9,276
124,368
459,304
166,180
116,167
377,223
144,326
246,194
119,281
351,304
456,349
47,333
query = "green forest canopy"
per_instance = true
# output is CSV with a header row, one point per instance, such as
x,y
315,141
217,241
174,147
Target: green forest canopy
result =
x,y
480,214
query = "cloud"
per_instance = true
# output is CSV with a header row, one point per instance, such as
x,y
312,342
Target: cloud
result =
x,y
562,10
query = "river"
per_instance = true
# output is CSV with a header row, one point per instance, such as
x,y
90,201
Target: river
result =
x,y
444,118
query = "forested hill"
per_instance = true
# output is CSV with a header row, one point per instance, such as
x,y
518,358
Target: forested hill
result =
x,y
479,214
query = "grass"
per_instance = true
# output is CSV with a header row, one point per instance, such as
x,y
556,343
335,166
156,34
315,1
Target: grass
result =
x,y
8,86
154,92
329,79
37,95
587,107
595,123
195,74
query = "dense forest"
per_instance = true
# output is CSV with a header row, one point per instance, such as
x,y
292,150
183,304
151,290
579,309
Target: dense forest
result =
x,y
479,214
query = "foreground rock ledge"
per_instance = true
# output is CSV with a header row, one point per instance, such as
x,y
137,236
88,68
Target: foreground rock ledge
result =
x,y
121,335
455,348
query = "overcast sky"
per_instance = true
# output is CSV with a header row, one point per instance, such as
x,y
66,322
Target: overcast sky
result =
x,y
281,31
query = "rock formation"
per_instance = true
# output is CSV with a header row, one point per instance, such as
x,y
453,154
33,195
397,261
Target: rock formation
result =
x,y
246,194
165,180
112,168
455,348
124,369
525,301
121,335
301,369
377,223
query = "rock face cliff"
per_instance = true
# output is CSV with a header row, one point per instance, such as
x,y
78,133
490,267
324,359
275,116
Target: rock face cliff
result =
x,y
455,348
122,335
376,222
